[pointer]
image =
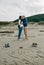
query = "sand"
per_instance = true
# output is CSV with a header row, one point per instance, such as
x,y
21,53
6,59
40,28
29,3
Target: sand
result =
x,y
27,55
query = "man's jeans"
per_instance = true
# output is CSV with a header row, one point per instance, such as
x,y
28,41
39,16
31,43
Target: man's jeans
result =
x,y
19,32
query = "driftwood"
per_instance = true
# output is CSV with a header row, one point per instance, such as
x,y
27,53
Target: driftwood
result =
x,y
41,30
6,31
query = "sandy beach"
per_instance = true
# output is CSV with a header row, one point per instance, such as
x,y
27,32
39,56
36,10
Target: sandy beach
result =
x,y
27,55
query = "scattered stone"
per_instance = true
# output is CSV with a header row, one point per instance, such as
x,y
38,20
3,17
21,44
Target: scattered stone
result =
x,y
21,47
41,30
34,44
7,45
7,31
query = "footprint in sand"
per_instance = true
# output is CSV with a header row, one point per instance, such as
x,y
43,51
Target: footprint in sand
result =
x,y
40,53
27,62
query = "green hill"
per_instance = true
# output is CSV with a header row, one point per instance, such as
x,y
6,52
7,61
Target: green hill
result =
x,y
36,18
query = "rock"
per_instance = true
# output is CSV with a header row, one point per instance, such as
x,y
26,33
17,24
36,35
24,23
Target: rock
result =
x,y
34,44
21,47
7,45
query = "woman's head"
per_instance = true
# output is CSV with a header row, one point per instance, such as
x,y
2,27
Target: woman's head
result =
x,y
19,17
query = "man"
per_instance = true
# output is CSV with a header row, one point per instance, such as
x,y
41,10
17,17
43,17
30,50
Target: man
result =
x,y
25,24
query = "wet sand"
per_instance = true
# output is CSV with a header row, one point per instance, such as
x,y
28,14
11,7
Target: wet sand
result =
x,y
27,55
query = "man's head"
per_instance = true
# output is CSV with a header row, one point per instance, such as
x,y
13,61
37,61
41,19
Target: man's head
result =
x,y
22,17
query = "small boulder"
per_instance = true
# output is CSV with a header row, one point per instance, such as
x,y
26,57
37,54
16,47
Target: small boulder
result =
x,y
7,45
21,47
34,44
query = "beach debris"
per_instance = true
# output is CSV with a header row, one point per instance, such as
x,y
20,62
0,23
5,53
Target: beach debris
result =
x,y
34,44
21,47
7,31
41,30
7,45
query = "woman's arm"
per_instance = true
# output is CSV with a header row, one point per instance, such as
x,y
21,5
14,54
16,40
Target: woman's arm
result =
x,y
19,22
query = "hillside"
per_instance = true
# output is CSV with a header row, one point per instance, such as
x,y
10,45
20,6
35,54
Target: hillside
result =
x,y
36,18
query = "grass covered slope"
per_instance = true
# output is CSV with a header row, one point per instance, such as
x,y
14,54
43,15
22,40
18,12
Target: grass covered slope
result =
x,y
36,18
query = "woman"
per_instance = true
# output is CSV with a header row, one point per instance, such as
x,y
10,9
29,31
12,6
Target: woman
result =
x,y
20,26
25,24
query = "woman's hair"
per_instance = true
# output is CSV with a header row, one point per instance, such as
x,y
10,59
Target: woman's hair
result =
x,y
19,17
